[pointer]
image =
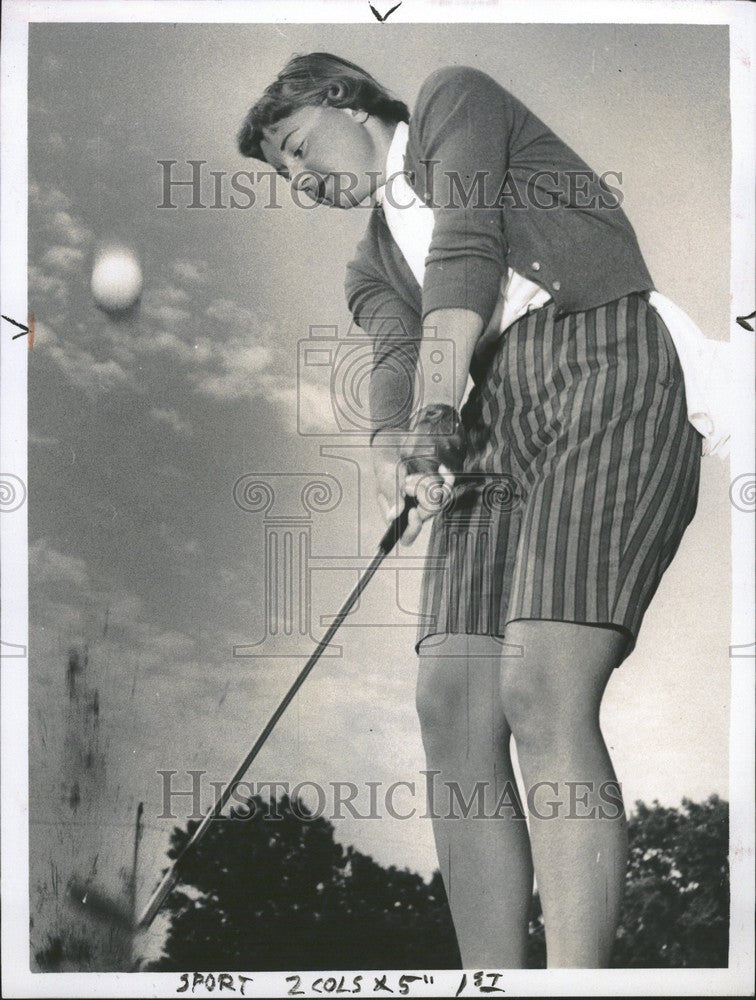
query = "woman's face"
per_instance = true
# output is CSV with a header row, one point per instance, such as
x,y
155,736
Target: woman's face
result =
x,y
330,154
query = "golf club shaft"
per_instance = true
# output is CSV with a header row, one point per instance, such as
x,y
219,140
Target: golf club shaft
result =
x,y
391,537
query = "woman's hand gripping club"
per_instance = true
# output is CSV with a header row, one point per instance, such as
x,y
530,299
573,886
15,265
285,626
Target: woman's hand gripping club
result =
x,y
423,465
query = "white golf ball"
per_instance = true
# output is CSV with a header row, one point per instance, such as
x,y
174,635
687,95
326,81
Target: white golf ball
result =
x,y
116,279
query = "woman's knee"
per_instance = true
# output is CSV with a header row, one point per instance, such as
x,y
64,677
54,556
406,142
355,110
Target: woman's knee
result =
x,y
440,695
532,711
449,691
551,694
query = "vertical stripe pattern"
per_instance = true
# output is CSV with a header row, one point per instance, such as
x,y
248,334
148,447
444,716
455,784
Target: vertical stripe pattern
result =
x,y
588,472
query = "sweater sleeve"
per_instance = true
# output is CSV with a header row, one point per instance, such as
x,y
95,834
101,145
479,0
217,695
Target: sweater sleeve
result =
x,y
395,330
462,124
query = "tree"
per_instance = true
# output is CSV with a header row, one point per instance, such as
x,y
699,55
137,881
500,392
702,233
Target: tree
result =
x,y
677,897
271,893
275,891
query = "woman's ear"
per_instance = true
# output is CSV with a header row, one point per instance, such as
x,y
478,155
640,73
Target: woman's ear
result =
x,y
337,91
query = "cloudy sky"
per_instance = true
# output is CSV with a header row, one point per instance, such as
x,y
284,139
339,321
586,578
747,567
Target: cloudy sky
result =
x,y
139,429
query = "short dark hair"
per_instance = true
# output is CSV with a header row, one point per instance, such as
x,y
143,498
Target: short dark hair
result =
x,y
316,78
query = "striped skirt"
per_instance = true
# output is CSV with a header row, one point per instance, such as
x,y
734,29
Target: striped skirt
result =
x,y
580,479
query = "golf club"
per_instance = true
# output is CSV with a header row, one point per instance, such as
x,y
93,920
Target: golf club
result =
x,y
169,881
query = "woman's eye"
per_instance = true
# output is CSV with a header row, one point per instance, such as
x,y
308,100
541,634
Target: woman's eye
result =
x,y
298,152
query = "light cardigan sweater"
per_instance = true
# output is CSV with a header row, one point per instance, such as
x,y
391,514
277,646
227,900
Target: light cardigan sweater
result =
x,y
532,205
411,224
704,362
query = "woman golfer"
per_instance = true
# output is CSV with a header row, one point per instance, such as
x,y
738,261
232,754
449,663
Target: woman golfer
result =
x,y
574,434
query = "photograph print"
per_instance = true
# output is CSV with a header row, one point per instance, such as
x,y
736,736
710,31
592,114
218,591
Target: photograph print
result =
x,y
385,443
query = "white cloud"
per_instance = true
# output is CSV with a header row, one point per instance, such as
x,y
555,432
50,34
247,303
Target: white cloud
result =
x,y
172,295
124,608
46,287
230,313
163,643
306,406
239,366
165,315
65,260
81,367
70,230
162,306
172,418
92,377
194,273
46,200
232,362
176,541
131,351
58,241
43,441
48,565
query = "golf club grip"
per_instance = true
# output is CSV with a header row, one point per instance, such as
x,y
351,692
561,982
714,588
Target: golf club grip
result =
x,y
397,527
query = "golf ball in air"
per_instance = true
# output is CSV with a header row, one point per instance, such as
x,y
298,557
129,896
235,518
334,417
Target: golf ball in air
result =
x,y
116,279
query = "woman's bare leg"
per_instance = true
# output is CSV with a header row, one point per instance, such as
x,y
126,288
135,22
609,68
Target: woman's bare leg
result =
x,y
551,698
484,859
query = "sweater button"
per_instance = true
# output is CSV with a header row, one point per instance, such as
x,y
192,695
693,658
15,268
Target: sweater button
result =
x,y
536,265
556,285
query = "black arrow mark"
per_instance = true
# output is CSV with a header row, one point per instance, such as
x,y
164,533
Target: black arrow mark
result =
x,y
741,321
387,14
21,326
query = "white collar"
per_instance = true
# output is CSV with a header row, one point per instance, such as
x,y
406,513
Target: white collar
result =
x,y
394,158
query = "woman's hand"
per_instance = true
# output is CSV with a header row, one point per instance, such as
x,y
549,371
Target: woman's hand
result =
x,y
432,490
394,481
423,465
